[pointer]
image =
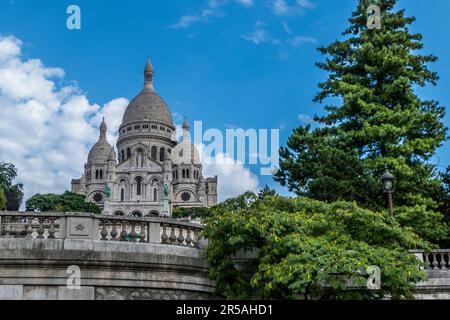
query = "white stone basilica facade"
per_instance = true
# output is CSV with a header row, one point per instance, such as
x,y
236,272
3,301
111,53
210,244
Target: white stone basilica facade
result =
x,y
152,173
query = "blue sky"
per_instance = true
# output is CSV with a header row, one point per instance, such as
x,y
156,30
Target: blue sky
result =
x,y
247,64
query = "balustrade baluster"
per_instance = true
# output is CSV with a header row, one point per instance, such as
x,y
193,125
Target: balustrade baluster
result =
x,y
172,237
124,233
188,236
142,235
434,261
443,262
180,235
133,234
29,228
426,261
114,232
18,228
164,236
40,230
12,229
3,226
52,230
104,232
8,227
195,238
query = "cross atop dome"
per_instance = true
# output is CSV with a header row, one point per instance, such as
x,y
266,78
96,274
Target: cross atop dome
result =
x,y
148,75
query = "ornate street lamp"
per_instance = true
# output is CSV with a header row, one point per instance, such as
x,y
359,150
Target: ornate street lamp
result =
x,y
388,181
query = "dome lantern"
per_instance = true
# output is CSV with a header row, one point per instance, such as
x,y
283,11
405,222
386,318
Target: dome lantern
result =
x,y
103,129
148,105
185,130
148,75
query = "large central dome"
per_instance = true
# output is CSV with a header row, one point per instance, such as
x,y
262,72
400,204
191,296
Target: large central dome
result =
x,y
148,105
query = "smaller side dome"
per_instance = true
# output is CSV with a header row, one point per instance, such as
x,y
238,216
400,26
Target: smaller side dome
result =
x,y
112,155
100,152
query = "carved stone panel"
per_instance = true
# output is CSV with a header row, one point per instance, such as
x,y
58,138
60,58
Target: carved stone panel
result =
x,y
79,228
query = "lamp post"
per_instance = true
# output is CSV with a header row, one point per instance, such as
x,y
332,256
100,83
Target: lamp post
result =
x,y
388,181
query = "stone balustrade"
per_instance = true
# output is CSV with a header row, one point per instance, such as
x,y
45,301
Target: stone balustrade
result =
x,y
129,258
435,260
45,225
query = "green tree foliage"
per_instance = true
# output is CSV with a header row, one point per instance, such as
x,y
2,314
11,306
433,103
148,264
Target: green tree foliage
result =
x,y
13,192
2,200
444,193
373,117
193,213
66,202
266,191
307,249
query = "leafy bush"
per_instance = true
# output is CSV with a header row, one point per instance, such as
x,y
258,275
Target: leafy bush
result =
x,y
302,244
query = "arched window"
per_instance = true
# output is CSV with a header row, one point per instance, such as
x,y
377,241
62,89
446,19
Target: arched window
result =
x,y
187,173
96,174
155,194
128,153
138,181
161,154
122,188
136,214
154,152
183,173
101,174
123,155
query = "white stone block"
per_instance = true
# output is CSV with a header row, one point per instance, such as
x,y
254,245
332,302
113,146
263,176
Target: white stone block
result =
x,y
11,292
84,293
40,293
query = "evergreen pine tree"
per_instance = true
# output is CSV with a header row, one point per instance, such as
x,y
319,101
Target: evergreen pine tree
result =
x,y
374,117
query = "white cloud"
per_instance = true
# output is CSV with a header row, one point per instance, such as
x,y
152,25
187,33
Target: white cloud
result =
x,y
46,129
233,177
283,7
286,27
260,35
280,7
213,9
10,46
306,119
186,21
296,41
246,3
305,4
